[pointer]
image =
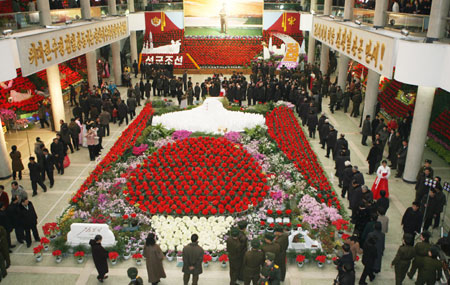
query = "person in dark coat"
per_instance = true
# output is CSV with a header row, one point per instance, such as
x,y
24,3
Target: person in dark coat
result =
x,y
347,174
430,270
282,239
132,105
28,221
401,158
192,261
36,176
372,159
366,130
345,259
374,127
197,91
428,206
16,162
5,222
100,256
242,226
253,261
421,251
380,245
331,139
357,99
153,258
312,124
368,259
346,99
421,188
403,258
234,250
323,133
122,111
341,144
57,149
49,162
412,219
342,161
394,143
75,131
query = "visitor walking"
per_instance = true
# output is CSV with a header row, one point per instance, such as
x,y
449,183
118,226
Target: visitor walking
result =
x,y
49,162
368,260
28,221
36,176
403,258
153,259
381,183
100,256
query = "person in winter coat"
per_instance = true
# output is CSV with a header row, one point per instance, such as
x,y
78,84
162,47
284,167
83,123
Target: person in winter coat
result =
x,y
368,259
372,158
430,270
323,133
234,252
347,174
366,130
122,112
380,245
153,258
421,251
75,131
28,221
341,163
253,261
192,261
38,147
100,256
394,143
36,175
331,141
132,104
312,124
16,162
57,149
403,258
92,142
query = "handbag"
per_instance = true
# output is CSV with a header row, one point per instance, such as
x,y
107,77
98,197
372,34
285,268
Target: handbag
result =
x,y
66,162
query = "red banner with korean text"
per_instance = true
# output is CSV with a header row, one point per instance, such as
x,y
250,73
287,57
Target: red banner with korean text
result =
x,y
158,22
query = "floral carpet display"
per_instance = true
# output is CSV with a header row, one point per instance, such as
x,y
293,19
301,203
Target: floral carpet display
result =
x,y
176,183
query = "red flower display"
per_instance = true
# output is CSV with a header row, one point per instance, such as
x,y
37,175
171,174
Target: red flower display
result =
x,y
113,255
300,258
223,258
57,252
321,258
204,175
206,258
285,130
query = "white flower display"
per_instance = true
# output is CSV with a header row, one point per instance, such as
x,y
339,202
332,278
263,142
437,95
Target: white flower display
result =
x,y
175,233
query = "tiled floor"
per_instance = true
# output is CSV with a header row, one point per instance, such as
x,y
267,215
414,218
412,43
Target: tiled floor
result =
x,y
25,270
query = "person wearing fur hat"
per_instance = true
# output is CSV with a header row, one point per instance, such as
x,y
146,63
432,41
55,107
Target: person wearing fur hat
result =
x,y
270,273
253,261
132,273
270,246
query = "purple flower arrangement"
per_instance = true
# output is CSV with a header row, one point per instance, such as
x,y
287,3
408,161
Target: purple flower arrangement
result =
x,y
234,137
181,135
139,150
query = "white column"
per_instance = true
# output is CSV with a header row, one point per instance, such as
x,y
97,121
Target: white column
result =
x,y
327,7
131,6
91,62
144,4
85,9
44,12
117,68
311,48
54,87
5,164
379,19
371,97
112,7
419,130
324,59
438,14
313,5
342,70
348,10
133,46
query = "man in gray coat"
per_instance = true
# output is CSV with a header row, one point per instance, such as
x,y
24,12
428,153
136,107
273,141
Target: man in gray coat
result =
x,y
366,130
192,261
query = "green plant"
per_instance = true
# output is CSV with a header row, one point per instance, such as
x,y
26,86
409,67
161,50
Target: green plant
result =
x,y
60,243
81,247
439,150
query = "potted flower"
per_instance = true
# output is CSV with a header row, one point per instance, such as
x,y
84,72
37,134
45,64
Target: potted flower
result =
x,y
45,243
79,256
206,259
214,256
300,260
320,260
179,259
329,258
57,254
113,257
170,255
138,258
38,252
224,259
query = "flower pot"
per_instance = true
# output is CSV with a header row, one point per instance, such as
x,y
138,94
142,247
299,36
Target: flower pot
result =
x,y
58,259
224,264
306,260
126,256
206,264
52,237
138,261
179,261
169,258
300,264
39,258
320,264
214,258
329,261
46,247
133,251
80,260
113,261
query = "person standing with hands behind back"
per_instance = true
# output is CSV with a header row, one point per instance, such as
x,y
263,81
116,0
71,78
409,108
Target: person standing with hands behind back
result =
x,y
100,256
192,261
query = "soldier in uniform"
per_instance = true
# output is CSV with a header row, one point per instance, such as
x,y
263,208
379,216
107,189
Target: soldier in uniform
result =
x,y
270,273
234,255
282,239
244,246
270,246
253,260
430,270
403,258
421,249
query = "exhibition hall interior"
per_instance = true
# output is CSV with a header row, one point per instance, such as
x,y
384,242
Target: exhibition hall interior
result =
x,y
295,142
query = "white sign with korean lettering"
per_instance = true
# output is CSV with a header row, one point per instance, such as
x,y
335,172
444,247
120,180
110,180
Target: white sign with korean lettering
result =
x,y
373,50
82,233
39,51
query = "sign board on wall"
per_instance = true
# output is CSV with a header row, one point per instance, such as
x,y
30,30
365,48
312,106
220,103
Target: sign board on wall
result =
x,y
39,51
81,233
373,50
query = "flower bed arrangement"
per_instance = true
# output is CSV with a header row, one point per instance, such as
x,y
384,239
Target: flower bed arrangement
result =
x,y
176,183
